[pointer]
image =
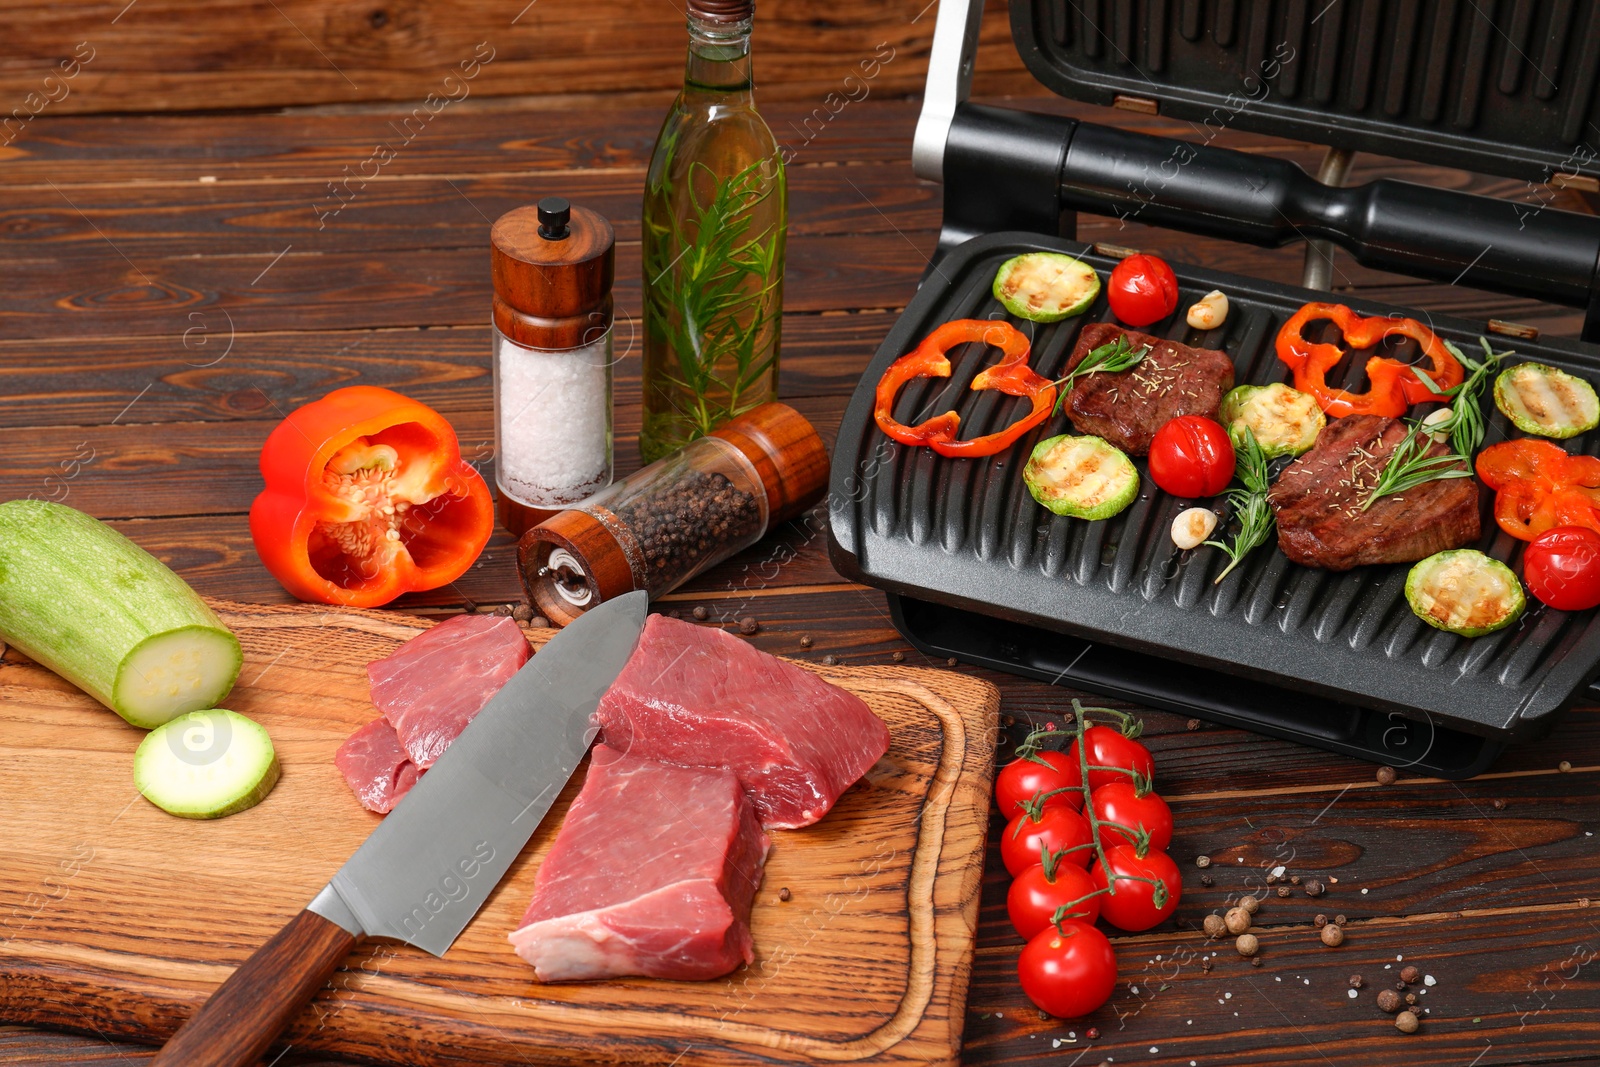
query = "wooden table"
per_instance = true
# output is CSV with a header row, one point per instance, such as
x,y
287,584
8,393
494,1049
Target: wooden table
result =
x,y
169,294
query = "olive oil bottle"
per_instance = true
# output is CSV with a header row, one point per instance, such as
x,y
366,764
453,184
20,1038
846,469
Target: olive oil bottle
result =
x,y
714,222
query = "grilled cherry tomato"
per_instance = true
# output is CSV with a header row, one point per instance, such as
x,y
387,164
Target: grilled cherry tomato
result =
x,y
1068,972
1191,456
1562,568
1108,747
1142,290
1147,887
1056,828
1038,891
1120,803
1039,774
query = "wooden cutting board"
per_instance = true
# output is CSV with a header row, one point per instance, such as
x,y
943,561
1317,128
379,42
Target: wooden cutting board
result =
x,y
119,919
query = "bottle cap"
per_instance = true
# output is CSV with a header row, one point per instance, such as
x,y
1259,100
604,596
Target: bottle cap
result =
x,y
552,267
721,10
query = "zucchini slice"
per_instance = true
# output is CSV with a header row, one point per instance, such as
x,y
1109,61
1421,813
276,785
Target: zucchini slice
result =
x,y
1543,400
206,764
1465,592
1286,421
1046,286
1081,477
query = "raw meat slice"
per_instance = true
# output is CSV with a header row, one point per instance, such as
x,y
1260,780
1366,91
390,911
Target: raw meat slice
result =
x,y
697,696
652,874
377,768
433,685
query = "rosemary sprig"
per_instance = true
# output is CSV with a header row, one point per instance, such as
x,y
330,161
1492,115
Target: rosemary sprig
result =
x,y
1248,501
1111,357
1410,465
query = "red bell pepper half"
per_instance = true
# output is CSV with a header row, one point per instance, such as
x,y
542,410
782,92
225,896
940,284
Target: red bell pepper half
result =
x,y
1394,385
367,498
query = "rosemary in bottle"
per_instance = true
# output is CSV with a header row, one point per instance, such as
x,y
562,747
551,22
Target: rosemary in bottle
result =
x,y
715,214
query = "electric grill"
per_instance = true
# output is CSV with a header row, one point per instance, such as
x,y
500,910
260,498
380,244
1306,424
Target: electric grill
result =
x,y
975,569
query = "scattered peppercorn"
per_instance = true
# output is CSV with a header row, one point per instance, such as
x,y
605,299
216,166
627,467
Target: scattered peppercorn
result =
x,y
1410,975
1388,1000
1192,724
1341,920
1386,776
805,641
784,894
504,610
1247,945
1043,1015
830,660
1407,1022
1284,891
1332,935
1255,961
1399,987
1205,965
1499,805
1093,1034
469,606
1250,904
1411,998
1214,926
1294,879
539,622
951,662
1272,879
1314,888
1320,921
1207,881
1237,920
674,614
1564,765
748,625
1202,862
1356,982
522,613
898,656
700,613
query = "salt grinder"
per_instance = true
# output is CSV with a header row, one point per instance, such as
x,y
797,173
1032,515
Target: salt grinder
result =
x,y
684,513
552,266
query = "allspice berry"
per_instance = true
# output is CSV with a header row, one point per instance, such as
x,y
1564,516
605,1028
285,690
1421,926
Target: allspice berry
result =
x,y
1388,1000
1237,920
1314,888
701,612
1332,935
1214,926
1407,1022
1386,776
1409,974
748,625
1284,891
1320,921
1247,944
1251,904
1411,998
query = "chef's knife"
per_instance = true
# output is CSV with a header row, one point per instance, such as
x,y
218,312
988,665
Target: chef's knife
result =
x,y
426,869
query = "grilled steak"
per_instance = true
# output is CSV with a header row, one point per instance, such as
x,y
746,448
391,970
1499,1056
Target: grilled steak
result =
x,y
1128,408
1317,501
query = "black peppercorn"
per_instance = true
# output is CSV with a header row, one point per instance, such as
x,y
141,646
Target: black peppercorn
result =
x,y
700,613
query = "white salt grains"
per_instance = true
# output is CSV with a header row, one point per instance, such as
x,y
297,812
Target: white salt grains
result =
x,y
553,419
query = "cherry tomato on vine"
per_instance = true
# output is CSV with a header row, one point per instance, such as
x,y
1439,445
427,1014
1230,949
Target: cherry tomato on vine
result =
x,y
1191,456
1034,897
1068,972
1108,747
1142,289
1137,904
1055,829
1043,772
1562,568
1120,802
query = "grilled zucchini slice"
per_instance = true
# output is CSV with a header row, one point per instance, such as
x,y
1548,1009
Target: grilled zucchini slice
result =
x,y
1546,401
1285,421
1046,286
1465,592
1081,477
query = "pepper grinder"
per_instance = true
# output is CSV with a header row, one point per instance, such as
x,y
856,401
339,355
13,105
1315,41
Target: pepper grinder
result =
x,y
552,266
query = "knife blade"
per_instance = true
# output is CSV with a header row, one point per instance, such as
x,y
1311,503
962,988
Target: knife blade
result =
x,y
427,868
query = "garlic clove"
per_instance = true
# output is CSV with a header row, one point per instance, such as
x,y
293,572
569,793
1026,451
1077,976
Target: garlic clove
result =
x,y
1209,312
1443,415
1192,527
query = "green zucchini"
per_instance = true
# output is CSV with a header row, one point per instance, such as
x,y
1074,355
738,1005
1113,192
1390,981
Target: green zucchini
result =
x,y
89,604
206,764
1286,421
1465,592
1046,286
1546,401
1081,477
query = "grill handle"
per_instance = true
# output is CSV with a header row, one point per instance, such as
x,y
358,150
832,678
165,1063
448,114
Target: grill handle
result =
x,y
1499,245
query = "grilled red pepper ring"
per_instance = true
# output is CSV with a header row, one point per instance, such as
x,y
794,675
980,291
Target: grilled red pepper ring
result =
x,y
1539,486
1393,385
1011,376
367,498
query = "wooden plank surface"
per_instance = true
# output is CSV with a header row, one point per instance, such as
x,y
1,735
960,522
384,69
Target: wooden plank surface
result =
x,y
1490,899
869,964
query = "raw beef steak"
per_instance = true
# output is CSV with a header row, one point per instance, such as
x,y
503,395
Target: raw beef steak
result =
x,y
377,768
652,874
1128,407
1318,500
696,696
433,685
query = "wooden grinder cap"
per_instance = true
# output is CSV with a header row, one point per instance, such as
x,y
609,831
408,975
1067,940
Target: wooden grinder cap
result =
x,y
552,265
788,456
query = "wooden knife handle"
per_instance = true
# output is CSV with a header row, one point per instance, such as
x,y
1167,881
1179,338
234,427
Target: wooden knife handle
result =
x,y
241,1019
